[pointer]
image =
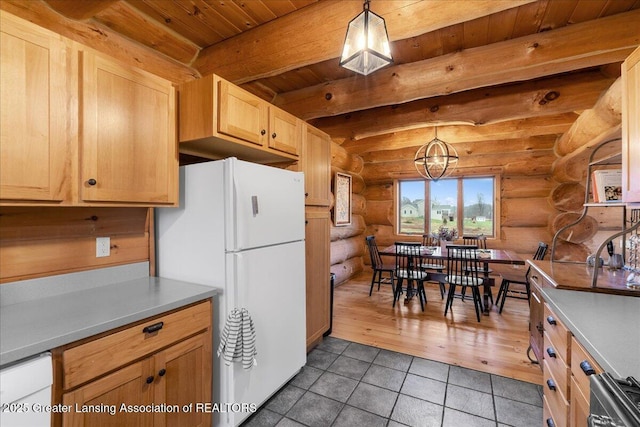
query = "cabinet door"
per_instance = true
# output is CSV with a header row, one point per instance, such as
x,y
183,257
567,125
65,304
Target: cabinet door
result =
x,y
316,165
631,128
317,271
183,377
99,403
128,138
536,313
285,131
34,146
242,114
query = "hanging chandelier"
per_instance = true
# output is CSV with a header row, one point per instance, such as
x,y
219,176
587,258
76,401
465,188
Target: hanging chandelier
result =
x,y
366,45
436,159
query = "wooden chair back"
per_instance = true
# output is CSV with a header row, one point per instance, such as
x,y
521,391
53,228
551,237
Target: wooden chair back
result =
x,y
480,241
463,265
374,253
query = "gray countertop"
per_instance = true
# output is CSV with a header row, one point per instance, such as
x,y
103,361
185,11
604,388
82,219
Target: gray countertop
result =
x,y
608,326
45,320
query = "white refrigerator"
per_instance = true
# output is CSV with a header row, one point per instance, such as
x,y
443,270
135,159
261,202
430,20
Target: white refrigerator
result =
x,y
240,228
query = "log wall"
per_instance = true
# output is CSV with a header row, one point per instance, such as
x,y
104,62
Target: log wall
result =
x,y
38,242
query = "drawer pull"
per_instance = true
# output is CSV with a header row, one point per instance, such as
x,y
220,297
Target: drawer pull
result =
x,y
551,352
551,384
153,328
150,379
550,423
551,320
587,368
162,372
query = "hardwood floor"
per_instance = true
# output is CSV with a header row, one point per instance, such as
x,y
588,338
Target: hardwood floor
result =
x,y
497,345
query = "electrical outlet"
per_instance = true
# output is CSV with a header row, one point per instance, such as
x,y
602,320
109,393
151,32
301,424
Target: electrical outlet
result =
x,y
103,246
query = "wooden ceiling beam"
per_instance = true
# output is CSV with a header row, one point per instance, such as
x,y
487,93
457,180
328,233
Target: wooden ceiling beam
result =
x,y
543,97
316,33
80,10
100,38
516,129
577,46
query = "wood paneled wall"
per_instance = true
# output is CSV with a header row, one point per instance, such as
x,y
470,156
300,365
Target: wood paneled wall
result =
x,y
38,242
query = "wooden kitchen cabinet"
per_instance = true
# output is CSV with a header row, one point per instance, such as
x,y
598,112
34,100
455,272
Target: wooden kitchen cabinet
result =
x,y
34,114
317,270
219,119
536,314
79,128
631,128
164,360
582,367
315,162
128,146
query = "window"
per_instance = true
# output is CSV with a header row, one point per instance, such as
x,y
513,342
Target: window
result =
x,y
466,204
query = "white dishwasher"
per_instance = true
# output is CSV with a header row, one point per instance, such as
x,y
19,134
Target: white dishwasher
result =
x,y
25,393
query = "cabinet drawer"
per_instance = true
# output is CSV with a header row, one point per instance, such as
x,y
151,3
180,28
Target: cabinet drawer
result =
x,y
94,358
559,369
581,362
558,334
547,417
556,399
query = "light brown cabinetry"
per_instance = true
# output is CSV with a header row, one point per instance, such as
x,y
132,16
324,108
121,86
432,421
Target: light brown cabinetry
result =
x,y
219,119
536,314
316,165
34,114
317,271
128,147
631,128
165,360
80,129
582,367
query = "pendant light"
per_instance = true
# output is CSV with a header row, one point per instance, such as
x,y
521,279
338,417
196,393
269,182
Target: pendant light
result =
x,y
366,45
436,159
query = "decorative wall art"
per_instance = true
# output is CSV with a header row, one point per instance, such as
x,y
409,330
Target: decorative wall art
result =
x,y
342,192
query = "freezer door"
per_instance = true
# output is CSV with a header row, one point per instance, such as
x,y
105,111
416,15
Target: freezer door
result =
x,y
265,205
270,284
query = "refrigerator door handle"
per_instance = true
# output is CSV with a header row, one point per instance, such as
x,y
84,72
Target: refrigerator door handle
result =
x,y
254,205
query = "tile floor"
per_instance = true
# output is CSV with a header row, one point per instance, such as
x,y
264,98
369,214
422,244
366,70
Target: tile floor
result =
x,y
352,385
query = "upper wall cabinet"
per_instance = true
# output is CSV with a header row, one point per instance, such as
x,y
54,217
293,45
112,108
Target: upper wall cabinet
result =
x,y
35,149
631,128
80,129
316,164
219,119
129,150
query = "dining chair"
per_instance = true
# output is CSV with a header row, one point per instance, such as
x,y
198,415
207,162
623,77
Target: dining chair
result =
x,y
434,266
379,268
462,270
409,260
479,240
510,278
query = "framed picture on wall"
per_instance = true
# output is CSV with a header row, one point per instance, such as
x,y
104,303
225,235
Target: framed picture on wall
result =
x,y
342,193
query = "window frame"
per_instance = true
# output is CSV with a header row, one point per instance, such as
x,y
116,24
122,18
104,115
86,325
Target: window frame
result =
x,y
497,180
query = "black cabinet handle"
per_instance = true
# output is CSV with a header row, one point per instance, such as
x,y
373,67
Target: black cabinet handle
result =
x,y
550,423
306,194
92,181
273,135
150,379
551,352
587,368
551,320
262,132
153,328
162,372
551,385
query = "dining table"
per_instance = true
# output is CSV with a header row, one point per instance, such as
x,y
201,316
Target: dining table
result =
x,y
485,256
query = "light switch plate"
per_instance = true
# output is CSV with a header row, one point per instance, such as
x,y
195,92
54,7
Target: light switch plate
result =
x,y
103,246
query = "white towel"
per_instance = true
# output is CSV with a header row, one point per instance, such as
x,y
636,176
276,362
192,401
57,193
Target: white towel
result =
x,y
238,340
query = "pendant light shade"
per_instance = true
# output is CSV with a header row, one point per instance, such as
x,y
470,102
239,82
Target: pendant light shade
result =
x,y
366,45
436,159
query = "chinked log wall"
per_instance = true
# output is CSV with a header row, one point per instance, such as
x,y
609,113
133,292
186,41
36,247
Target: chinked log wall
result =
x,y
542,188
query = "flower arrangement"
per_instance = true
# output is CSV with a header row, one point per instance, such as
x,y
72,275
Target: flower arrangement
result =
x,y
446,233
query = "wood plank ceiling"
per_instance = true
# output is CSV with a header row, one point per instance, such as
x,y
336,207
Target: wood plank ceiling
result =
x,y
512,71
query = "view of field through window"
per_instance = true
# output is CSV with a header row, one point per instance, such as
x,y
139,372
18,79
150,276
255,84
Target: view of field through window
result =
x,y
475,217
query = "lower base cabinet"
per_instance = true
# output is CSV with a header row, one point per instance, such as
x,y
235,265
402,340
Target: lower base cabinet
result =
x,y
317,271
152,373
